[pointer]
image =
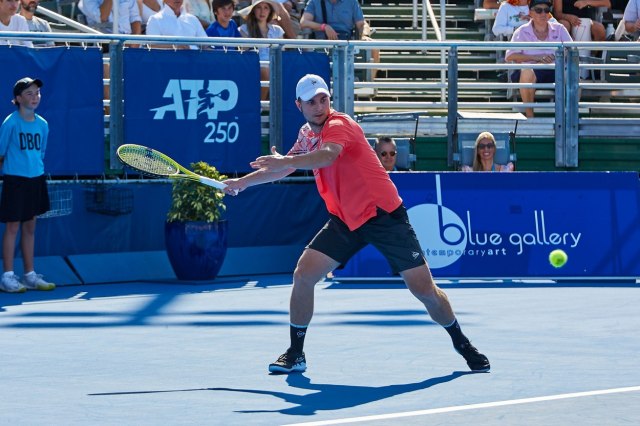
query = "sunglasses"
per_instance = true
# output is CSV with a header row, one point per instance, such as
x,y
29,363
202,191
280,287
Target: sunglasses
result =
x,y
486,145
540,10
391,153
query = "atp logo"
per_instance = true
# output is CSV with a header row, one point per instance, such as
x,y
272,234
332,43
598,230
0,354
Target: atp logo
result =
x,y
444,244
192,98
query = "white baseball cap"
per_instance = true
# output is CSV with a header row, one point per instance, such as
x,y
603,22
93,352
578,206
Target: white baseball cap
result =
x,y
309,86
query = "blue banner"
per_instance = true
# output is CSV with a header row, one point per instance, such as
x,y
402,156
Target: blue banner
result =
x,y
295,66
194,105
71,103
504,225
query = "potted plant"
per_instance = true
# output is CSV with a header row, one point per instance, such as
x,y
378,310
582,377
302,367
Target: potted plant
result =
x,y
195,234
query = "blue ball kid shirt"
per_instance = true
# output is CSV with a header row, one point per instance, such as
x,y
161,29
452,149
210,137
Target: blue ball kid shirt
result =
x,y
22,144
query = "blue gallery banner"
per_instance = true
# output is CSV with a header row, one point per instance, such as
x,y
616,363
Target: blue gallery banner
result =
x,y
295,66
194,105
503,225
71,103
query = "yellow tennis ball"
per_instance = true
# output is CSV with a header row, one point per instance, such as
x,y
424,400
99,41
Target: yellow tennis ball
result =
x,y
558,258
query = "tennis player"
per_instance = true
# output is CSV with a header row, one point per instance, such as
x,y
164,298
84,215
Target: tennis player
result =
x,y
364,208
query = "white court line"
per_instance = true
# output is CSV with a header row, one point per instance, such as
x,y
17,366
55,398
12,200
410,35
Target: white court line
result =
x,y
468,407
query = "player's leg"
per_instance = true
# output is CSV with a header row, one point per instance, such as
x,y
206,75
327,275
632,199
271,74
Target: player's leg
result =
x,y
392,234
333,245
312,267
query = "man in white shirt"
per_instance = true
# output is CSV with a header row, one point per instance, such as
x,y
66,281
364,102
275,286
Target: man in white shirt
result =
x,y
173,20
36,25
99,14
12,22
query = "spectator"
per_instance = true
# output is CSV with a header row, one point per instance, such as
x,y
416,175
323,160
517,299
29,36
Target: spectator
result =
x,y
173,20
148,8
344,20
12,22
387,151
258,25
570,12
202,10
99,15
223,25
282,17
631,18
24,191
511,15
484,153
36,25
537,29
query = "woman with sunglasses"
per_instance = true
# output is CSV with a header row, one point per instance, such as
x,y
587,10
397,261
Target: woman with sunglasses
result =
x,y
539,28
484,153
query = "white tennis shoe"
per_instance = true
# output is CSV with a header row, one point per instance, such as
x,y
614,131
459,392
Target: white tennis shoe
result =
x,y
11,284
34,281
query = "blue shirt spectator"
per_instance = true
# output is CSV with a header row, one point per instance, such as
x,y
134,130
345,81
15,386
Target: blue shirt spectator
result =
x,y
343,18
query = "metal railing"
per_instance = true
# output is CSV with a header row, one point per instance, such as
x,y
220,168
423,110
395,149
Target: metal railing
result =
x,y
462,93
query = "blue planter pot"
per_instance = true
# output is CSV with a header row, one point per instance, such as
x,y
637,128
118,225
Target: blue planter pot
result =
x,y
196,250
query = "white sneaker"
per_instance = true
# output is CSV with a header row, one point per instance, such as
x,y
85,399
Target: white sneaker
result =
x,y
11,284
35,282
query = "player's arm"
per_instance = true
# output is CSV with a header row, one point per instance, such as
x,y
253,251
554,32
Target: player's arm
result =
x,y
321,157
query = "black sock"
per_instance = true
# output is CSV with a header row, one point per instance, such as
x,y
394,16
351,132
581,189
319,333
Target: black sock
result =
x,y
297,333
456,334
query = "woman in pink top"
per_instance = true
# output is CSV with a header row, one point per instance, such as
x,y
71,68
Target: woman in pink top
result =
x,y
537,29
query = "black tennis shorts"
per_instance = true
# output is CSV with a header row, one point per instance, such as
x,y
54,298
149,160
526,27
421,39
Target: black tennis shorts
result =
x,y
23,198
390,233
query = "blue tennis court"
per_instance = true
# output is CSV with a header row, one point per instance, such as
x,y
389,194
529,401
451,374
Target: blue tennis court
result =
x,y
149,353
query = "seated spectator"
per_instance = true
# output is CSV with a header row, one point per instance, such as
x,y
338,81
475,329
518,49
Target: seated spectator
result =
x,y
148,8
173,20
387,152
344,21
484,153
223,25
99,15
490,4
537,29
202,10
631,18
570,13
282,17
258,25
12,22
511,15
36,25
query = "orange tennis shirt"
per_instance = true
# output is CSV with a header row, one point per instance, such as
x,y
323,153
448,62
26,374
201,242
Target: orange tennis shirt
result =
x,y
356,183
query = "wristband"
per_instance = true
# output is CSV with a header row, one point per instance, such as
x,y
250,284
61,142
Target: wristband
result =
x,y
322,27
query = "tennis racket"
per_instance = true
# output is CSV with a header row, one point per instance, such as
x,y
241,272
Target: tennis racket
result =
x,y
154,163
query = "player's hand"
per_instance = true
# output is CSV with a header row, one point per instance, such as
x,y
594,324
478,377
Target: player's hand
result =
x,y
234,186
270,163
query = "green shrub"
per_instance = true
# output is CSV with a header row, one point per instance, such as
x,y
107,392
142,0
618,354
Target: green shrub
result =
x,y
193,201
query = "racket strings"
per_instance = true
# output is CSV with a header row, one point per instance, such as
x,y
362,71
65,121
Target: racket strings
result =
x,y
147,161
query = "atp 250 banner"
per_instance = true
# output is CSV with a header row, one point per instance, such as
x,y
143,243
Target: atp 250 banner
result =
x,y
194,105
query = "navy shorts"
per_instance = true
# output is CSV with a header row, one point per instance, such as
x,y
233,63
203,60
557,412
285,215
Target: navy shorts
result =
x,y
390,233
542,76
23,198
